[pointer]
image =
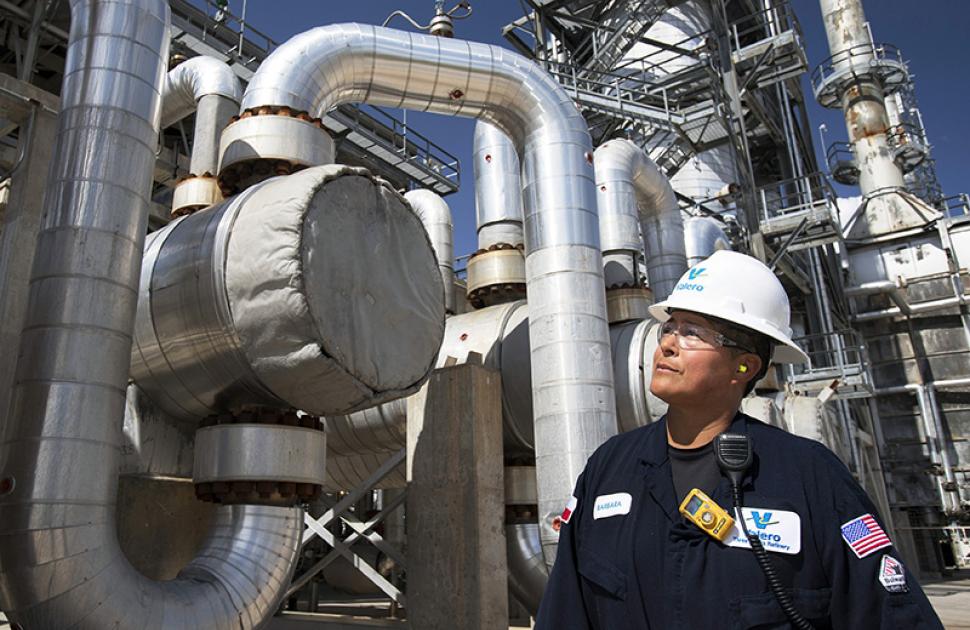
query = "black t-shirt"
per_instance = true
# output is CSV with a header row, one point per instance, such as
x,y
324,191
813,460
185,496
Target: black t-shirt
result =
x,y
693,468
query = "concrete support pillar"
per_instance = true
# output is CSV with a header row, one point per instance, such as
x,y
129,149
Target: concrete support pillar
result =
x,y
35,111
455,507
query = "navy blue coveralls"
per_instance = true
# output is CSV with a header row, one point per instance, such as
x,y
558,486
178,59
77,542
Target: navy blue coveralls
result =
x,y
651,568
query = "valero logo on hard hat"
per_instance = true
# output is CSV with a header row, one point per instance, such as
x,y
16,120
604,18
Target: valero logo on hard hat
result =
x,y
739,289
692,275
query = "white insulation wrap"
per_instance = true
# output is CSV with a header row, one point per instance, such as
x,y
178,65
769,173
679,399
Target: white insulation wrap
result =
x,y
318,291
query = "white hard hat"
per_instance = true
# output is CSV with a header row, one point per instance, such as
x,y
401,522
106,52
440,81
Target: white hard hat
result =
x,y
741,290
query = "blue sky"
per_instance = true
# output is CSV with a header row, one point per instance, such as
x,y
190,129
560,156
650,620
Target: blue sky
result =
x,y
932,34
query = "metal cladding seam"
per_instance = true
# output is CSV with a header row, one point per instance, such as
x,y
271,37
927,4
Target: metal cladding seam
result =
x,y
570,356
498,187
60,562
632,188
435,215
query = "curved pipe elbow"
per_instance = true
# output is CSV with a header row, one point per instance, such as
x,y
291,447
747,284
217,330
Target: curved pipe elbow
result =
x,y
435,215
628,179
188,82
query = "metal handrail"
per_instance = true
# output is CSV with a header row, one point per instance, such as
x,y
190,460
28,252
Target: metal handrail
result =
x,y
795,195
247,37
861,59
906,133
840,353
839,152
780,18
957,205
410,144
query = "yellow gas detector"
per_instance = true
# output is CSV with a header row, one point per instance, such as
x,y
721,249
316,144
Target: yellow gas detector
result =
x,y
709,516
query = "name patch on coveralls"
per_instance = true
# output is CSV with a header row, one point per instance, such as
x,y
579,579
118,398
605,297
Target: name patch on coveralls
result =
x,y
779,530
612,505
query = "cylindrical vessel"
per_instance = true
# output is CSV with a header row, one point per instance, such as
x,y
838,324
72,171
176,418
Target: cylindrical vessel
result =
x,y
292,294
862,99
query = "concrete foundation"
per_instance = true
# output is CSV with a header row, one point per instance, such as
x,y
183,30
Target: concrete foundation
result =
x,y
455,506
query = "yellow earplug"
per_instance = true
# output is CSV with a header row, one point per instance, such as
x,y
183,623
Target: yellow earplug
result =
x,y
742,368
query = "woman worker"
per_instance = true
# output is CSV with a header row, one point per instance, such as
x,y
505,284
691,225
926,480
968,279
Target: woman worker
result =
x,y
629,558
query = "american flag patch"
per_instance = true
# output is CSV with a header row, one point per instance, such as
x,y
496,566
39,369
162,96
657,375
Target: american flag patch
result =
x,y
567,513
864,535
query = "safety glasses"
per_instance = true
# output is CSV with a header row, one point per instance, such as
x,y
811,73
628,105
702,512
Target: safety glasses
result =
x,y
691,336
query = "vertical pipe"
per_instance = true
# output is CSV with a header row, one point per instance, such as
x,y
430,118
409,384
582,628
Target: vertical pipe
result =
x,y
498,187
60,562
953,488
211,118
932,440
435,215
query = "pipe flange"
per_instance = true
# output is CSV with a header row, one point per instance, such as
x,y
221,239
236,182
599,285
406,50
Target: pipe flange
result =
x,y
194,193
259,456
628,303
268,141
496,275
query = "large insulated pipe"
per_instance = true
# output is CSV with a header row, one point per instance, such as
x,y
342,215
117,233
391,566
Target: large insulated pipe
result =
x,y
496,271
702,237
570,356
209,88
498,187
863,103
435,215
635,195
60,562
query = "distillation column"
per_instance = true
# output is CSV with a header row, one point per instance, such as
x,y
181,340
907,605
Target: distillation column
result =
x,y
856,78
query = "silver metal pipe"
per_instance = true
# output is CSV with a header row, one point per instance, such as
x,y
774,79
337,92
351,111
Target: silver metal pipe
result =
x,y
208,87
570,354
882,287
933,443
435,215
187,83
948,473
633,193
528,574
60,562
702,237
913,309
498,187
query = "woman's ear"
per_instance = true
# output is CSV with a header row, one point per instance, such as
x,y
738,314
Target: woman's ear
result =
x,y
749,365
